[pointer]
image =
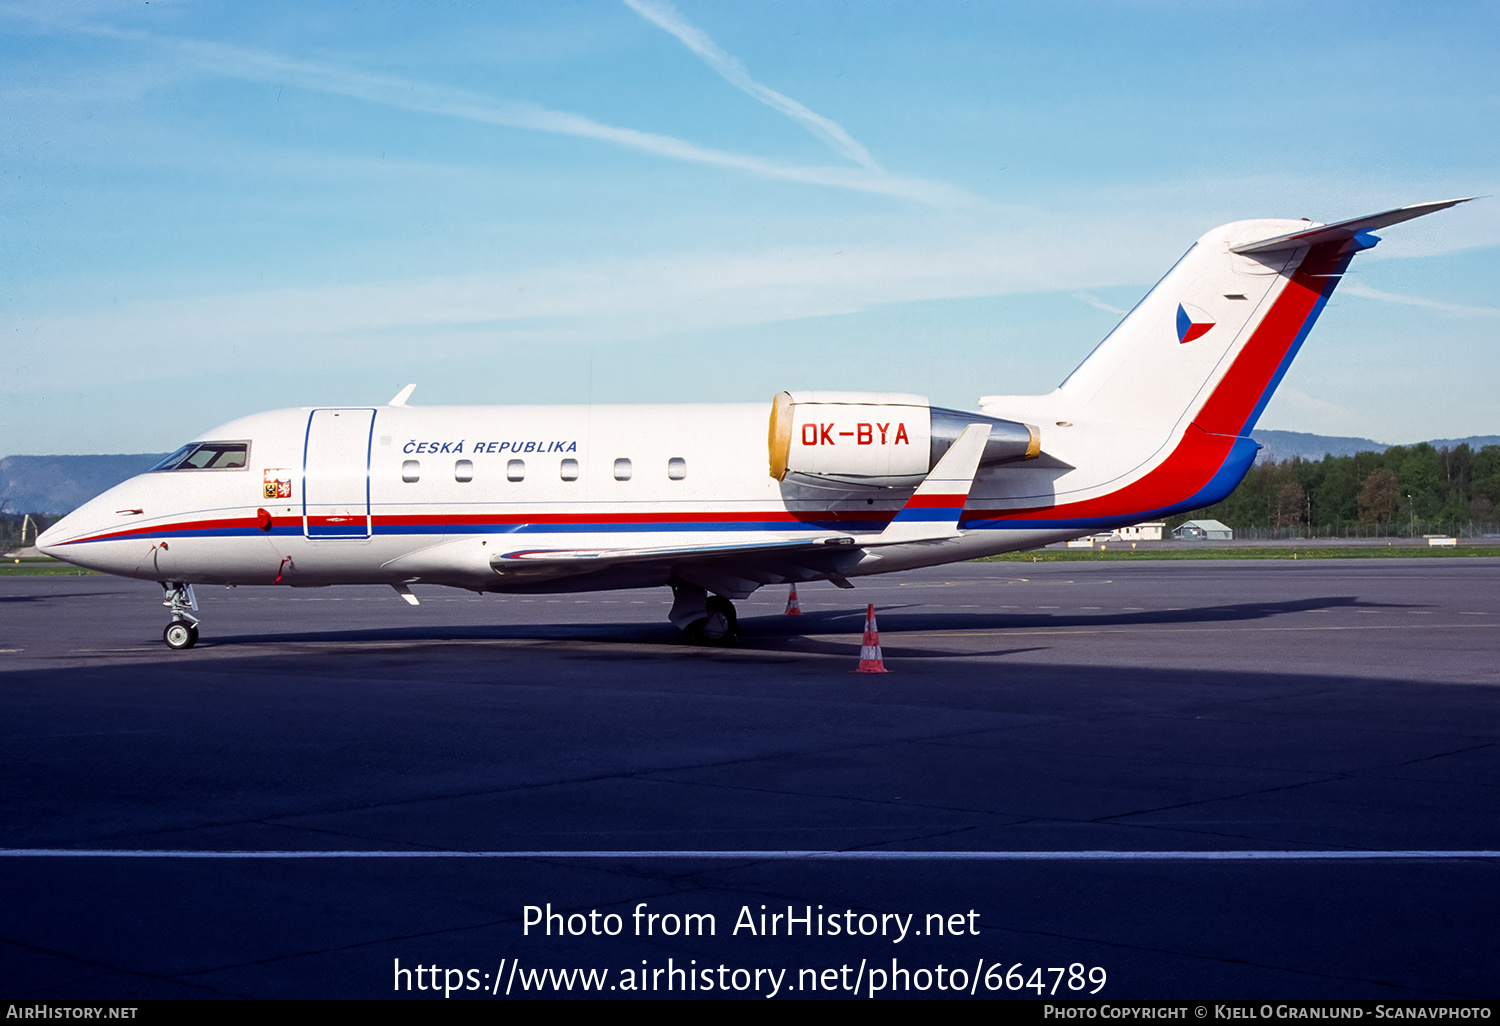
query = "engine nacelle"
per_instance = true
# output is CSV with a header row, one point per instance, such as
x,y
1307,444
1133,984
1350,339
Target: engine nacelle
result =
x,y
879,439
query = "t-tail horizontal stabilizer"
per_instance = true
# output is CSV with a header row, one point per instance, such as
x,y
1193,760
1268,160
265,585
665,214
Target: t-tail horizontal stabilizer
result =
x,y
1344,230
933,511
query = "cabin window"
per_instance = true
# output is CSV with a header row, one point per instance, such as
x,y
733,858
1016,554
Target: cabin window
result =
x,y
411,471
515,470
208,456
568,470
463,470
622,470
676,468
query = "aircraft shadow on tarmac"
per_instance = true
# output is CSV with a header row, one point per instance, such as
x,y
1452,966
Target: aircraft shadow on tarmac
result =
x,y
71,596
807,633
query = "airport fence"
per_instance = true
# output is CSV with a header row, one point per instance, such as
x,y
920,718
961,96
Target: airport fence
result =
x,y
1409,529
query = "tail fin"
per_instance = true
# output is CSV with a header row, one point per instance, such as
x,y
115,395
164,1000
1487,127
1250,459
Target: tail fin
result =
x,y
1215,337
1170,396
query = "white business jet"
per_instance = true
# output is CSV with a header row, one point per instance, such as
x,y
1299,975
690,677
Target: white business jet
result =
x,y
715,501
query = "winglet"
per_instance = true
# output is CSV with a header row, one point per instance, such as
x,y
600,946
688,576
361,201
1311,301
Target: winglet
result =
x,y
402,396
933,511
1346,229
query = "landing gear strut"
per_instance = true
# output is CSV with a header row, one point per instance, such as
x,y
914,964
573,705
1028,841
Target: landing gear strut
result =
x,y
182,632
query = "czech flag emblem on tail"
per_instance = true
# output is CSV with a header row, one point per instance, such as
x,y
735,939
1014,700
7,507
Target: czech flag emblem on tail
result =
x,y
1191,323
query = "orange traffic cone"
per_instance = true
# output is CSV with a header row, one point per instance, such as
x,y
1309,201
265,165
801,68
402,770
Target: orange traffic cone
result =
x,y
869,653
793,607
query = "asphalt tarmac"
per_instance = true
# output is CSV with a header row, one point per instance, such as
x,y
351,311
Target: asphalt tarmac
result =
x,y
1150,736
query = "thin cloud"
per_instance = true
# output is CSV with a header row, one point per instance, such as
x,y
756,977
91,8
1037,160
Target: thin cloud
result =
x,y
607,301
662,14
407,94
1354,288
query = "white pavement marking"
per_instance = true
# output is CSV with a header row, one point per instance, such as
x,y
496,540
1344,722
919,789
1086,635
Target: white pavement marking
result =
x,y
1272,855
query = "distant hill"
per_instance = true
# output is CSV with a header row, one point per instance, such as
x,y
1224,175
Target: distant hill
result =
x,y
1473,441
1283,445
60,484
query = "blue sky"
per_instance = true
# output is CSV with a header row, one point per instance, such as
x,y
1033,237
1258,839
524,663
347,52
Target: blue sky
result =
x,y
210,209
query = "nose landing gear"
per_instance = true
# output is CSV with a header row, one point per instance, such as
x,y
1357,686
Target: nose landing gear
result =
x,y
182,632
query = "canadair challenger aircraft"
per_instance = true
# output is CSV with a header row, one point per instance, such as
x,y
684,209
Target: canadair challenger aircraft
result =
x,y
584,498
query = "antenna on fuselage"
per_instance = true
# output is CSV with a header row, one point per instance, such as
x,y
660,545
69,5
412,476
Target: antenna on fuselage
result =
x,y
402,396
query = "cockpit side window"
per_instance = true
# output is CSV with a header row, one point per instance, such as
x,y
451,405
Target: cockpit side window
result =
x,y
208,456
172,460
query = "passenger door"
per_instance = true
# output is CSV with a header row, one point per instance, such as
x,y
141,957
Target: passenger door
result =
x,y
336,474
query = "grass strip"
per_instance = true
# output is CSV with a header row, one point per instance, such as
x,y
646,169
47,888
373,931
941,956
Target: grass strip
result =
x,y
41,570
1247,552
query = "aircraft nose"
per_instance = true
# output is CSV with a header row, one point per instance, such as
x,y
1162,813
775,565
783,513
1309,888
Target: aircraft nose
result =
x,y
47,541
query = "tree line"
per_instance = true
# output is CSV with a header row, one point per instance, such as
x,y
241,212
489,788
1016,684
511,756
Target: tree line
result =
x,y
1405,488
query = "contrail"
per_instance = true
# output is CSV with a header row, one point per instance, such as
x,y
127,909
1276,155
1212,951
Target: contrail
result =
x,y
1098,304
1354,288
407,94
664,15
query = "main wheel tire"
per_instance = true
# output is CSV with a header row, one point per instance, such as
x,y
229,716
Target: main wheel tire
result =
x,y
180,635
720,627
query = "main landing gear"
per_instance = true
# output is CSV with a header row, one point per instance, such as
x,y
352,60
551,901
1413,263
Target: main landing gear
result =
x,y
182,632
720,627
705,619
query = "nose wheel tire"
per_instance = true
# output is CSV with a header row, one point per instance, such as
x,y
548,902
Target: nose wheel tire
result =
x,y
180,635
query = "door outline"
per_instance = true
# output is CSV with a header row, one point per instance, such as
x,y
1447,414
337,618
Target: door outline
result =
x,y
327,533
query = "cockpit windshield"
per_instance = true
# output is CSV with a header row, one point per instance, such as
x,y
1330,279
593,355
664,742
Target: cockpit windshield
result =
x,y
208,456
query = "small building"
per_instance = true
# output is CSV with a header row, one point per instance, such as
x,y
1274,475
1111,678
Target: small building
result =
x,y
1139,532
1203,530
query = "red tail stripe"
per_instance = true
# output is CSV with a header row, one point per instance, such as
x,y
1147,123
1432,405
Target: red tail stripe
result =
x,y
1203,449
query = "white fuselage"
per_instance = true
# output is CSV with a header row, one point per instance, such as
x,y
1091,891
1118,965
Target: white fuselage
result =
x,y
448,488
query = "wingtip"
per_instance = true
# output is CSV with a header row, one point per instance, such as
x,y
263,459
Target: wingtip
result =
x,y
399,399
1432,206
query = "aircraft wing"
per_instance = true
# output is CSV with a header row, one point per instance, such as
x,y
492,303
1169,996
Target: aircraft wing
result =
x,y
733,568
582,559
